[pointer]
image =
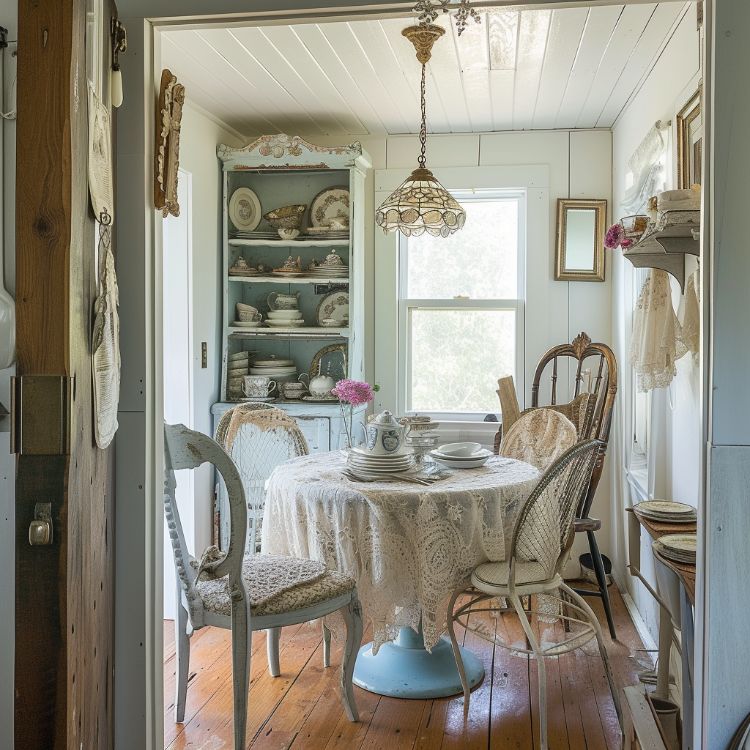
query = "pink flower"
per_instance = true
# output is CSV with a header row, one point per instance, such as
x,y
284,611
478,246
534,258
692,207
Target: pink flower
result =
x,y
614,237
354,392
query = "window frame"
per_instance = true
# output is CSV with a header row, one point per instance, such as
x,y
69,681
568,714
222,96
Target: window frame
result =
x,y
517,305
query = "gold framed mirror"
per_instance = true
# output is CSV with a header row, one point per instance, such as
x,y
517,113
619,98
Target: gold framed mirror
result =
x,y
581,224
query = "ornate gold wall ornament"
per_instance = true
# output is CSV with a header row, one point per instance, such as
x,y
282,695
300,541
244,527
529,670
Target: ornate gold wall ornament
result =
x,y
167,147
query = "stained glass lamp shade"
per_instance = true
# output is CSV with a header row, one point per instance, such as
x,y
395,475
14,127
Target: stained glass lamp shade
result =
x,y
421,204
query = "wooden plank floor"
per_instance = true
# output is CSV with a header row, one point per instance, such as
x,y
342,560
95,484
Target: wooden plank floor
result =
x,y
301,708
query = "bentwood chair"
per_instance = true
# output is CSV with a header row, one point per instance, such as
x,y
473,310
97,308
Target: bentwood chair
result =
x,y
258,437
589,405
542,537
246,593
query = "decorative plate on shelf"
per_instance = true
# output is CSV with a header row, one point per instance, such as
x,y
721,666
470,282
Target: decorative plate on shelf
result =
x,y
244,209
334,306
328,204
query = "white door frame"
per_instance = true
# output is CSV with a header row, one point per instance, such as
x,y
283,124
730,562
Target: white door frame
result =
x,y
139,458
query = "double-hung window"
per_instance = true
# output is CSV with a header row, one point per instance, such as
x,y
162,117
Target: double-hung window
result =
x,y
461,313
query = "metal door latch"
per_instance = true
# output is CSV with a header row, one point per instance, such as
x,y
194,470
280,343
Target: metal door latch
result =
x,y
40,529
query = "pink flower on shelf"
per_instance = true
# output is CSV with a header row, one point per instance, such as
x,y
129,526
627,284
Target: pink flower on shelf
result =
x,y
354,392
614,237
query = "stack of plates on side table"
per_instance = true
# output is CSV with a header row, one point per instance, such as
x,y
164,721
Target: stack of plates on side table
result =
x,y
678,547
667,511
363,462
461,455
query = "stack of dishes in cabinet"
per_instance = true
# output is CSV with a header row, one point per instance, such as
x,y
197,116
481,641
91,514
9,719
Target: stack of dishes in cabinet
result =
x,y
242,268
277,369
238,365
461,455
332,267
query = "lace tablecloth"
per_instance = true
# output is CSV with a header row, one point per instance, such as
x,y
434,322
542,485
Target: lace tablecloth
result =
x,y
408,547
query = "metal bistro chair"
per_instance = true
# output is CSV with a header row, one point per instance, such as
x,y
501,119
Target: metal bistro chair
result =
x,y
246,593
541,541
258,437
590,410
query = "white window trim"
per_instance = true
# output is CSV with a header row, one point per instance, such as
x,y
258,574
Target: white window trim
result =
x,y
516,305
533,179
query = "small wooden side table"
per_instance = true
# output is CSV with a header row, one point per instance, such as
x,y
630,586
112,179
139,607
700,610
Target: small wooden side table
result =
x,y
685,576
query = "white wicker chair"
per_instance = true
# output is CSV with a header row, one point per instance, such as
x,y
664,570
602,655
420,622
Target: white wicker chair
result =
x,y
542,538
258,437
246,593
539,437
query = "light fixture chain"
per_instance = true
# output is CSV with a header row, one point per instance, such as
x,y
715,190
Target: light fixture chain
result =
x,y
423,129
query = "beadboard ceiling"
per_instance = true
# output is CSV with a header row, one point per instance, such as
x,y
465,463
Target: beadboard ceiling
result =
x,y
566,68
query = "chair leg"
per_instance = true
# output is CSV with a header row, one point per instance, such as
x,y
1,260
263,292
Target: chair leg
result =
x,y
601,577
540,665
182,642
272,650
581,602
241,647
326,646
352,614
457,652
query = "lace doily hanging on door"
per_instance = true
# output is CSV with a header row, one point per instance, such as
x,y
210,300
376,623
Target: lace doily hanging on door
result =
x,y
691,314
657,341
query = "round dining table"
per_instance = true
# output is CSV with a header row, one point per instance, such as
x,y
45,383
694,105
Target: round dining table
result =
x,y
408,546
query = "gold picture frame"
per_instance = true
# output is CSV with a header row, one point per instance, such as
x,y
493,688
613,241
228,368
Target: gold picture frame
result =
x,y
689,124
581,224
167,146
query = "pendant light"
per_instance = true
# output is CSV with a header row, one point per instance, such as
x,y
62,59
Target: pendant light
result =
x,y
421,204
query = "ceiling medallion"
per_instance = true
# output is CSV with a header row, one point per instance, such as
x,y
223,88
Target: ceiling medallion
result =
x,y
421,204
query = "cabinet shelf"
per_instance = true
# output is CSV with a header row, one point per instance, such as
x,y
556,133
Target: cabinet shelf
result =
x,y
316,332
238,242
290,280
666,245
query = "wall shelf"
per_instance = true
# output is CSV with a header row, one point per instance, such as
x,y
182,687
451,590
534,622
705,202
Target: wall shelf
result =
x,y
303,332
666,245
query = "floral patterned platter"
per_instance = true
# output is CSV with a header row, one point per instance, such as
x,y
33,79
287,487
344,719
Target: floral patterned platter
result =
x,y
328,204
334,306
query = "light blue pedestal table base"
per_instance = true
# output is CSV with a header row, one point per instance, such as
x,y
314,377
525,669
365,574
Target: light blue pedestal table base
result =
x,y
404,668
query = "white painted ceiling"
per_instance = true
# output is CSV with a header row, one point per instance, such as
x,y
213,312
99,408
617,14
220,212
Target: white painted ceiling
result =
x,y
566,68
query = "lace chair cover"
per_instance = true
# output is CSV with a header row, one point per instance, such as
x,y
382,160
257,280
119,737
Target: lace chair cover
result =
x,y
544,528
657,341
258,438
539,437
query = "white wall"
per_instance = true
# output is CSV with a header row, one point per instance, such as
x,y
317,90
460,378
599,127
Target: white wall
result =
x,y
199,136
664,92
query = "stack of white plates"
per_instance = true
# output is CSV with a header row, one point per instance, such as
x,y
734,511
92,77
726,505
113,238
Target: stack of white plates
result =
x,y
678,547
261,235
327,233
280,370
333,271
361,461
667,511
238,365
461,455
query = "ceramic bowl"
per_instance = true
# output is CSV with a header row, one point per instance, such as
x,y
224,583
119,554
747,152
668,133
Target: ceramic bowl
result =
x,y
286,217
460,450
288,234
284,315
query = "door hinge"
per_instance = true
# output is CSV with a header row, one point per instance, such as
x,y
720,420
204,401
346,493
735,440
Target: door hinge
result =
x,y
40,415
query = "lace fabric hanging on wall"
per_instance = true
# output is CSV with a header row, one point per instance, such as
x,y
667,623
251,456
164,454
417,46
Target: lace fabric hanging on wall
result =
x,y
647,170
691,314
657,340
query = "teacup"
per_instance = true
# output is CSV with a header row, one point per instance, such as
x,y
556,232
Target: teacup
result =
x,y
246,313
257,386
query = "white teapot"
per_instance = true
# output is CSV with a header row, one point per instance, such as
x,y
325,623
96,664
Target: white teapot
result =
x,y
320,386
384,435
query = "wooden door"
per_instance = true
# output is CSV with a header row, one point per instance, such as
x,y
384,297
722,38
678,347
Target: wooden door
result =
x,y
64,627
